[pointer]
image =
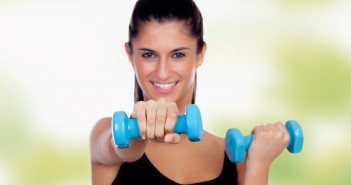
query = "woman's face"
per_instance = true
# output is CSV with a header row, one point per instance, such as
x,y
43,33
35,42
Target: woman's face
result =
x,y
164,57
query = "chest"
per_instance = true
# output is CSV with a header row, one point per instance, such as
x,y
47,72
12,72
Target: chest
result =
x,y
187,166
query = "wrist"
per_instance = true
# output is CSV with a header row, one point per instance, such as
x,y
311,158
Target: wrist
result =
x,y
256,173
257,168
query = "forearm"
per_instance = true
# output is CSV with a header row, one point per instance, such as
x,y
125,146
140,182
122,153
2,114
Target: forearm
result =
x,y
103,150
256,176
252,173
134,152
267,144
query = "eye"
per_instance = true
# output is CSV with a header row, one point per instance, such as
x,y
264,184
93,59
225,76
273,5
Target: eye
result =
x,y
148,55
178,55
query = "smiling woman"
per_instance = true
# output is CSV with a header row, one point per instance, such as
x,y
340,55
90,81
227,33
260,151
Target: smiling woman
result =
x,y
164,57
63,65
165,49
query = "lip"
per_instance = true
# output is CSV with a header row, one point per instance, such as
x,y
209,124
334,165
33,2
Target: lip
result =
x,y
162,87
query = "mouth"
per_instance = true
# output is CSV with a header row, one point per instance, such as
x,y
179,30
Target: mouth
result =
x,y
164,88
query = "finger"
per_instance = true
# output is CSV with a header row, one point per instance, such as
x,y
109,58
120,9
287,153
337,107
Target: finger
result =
x,y
272,129
171,118
173,138
160,121
284,130
280,126
150,119
139,114
257,129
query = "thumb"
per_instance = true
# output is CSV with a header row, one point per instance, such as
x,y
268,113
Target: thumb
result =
x,y
173,138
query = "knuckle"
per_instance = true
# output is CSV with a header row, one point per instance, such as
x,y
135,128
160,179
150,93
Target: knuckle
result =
x,y
279,135
173,105
260,132
150,119
259,128
168,128
151,102
140,117
150,133
159,135
160,119
149,105
173,115
139,105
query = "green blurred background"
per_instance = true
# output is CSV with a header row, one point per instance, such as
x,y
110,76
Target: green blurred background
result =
x,y
63,66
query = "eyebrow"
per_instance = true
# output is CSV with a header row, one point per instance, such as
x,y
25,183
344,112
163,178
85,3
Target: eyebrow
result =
x,y
175,50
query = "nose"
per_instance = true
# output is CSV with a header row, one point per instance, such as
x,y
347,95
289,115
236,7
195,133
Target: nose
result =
x,y
163,69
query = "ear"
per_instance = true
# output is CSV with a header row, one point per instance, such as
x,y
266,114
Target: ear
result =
x,y
201,55
129,53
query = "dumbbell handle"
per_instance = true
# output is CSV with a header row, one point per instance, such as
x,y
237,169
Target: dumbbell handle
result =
x,y
179,128
248,140
292,132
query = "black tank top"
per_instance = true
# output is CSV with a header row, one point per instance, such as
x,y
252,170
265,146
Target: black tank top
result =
x,y
143,172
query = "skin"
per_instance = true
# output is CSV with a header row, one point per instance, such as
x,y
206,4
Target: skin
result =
x,y
166,53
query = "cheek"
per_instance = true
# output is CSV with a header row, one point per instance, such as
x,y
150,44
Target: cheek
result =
x,y
140,68
188,71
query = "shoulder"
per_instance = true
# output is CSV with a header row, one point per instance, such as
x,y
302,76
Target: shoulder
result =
x,y
100,126
103,122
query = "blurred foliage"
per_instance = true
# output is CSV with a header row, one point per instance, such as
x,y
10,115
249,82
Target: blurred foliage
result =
x,y
316,76
31,157
315,83
293,3
49,163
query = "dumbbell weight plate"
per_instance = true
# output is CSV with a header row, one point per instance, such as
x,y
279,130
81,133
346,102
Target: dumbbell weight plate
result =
x,y
194,123
296,136
235,145
119,132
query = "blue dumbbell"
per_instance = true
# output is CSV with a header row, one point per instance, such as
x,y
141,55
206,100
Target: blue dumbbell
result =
x,y
236,144
124,129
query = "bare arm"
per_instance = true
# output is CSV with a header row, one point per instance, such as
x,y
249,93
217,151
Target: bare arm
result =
x,y
267,144
104,152
156,120
256,175
106,159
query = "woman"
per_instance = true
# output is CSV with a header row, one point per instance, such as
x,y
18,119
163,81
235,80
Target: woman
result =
x,y
165,48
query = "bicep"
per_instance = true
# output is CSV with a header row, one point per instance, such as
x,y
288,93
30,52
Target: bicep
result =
x,y
101,149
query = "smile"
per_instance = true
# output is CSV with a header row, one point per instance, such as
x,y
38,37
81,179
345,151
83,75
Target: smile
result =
x,y
165,86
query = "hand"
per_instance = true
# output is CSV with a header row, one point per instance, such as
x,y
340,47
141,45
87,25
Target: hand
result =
x,y
156,120
267,144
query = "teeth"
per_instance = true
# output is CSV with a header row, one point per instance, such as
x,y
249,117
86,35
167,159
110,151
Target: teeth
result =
x,y
164,86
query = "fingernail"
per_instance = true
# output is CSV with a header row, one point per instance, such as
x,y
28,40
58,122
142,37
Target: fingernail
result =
x,y
167,138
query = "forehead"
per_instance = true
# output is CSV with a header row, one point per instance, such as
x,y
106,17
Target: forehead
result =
x,y
170,33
